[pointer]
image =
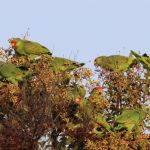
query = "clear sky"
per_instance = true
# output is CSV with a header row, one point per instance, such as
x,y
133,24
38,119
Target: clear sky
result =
x,y
79,29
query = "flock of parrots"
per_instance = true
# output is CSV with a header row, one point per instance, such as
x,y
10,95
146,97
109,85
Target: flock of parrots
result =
x,y
129,119
23,47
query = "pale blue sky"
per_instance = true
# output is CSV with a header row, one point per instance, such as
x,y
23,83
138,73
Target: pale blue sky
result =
x,y
80,29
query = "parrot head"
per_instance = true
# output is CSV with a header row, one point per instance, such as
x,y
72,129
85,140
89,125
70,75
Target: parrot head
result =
x,y
99,89
13,42
99,60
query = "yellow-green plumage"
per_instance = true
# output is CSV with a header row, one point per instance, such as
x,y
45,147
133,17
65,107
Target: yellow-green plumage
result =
x,y
11,73
116,63
63,64
26,47
130,119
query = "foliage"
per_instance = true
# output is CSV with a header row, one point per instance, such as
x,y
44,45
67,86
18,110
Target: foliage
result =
x,y
43,111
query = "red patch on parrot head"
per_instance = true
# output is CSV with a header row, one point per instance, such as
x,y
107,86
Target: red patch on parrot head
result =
x,y
99,88
13,43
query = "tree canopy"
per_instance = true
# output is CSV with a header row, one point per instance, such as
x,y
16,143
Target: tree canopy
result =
x,y
56,104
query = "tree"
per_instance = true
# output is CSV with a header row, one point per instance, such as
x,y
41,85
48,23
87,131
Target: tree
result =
x,y
44,111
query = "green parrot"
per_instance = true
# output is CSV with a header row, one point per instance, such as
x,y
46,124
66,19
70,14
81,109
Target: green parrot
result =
x,y
96,100
26,47
87,105
86,113
145,60
130,119
63,64
95,94
90,111
116,63
90,104
11,73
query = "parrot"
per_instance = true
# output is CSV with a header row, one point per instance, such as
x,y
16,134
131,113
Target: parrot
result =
x,y
129,119
95,93
85,110
12,73
97,102
86,113
26,47
94,97
63,64
89,104
117,63
145,59
88,110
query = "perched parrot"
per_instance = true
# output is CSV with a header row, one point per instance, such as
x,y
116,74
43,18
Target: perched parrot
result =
x,y
63,64
26,47
90,104
96,101
145,59
130,119
89,112
116,63
95,93
93,98
86,113
11,73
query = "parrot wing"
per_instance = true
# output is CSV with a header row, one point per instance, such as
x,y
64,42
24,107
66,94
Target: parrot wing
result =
x,y
34,48
11,73
114,62
128,116
62,64
129,119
